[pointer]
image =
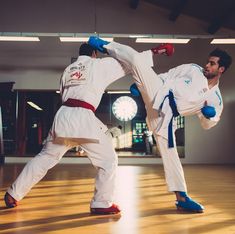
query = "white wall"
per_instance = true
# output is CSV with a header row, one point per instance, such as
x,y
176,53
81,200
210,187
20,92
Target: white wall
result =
x,y
216,145
32,79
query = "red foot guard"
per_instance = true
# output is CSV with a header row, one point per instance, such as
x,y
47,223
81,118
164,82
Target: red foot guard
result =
x,y
10,201
114,209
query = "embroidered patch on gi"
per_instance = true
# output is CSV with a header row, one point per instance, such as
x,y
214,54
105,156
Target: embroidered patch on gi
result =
x,y
77,75
187,81
203,91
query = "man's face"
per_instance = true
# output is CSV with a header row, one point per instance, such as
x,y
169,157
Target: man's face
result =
x,y
212,68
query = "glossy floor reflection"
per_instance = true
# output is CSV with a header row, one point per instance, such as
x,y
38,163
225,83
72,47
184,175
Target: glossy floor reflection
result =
x,y
60,202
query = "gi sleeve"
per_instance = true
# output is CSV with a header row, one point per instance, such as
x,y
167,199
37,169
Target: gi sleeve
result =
x,y
174,72
113,70
62,83
208,123
214,100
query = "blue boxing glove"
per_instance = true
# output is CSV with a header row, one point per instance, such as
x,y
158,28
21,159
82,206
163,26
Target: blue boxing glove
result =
x,y
98,43
134,90
208,111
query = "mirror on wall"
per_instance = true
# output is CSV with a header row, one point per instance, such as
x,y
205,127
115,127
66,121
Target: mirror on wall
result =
x,y
28,116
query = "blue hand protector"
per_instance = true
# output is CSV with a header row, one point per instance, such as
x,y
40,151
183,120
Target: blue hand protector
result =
x,y
208,111
189,204
134,90
98,43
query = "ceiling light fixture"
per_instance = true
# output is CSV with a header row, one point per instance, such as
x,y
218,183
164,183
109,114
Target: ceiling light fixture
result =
x,y
82,39
19,38
138,36
109,39
223,41
163,40
35,106
74,39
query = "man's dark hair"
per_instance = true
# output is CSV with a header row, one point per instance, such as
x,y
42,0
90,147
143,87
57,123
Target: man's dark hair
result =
x,y
86,49
225,59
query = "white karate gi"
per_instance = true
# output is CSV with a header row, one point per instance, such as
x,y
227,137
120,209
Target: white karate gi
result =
x,y
86,80
190,89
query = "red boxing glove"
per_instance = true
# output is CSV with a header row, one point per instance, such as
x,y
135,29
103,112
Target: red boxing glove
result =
x,y
167,48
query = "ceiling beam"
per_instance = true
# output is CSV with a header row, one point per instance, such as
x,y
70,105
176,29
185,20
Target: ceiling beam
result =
x,y
134,4
177,10
218,22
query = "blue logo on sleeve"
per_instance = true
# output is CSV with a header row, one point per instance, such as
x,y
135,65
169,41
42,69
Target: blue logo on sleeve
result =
x,y
220,99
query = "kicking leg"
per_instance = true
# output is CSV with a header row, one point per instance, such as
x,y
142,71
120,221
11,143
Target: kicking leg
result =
x,y
139,64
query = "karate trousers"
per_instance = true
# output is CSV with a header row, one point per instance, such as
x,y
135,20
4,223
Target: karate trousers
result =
x,y
148,84
102,155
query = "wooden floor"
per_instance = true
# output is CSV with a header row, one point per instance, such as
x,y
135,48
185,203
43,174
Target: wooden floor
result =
x,y
60,202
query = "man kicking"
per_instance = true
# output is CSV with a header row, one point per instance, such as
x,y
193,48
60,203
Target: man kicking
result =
x,y
184,90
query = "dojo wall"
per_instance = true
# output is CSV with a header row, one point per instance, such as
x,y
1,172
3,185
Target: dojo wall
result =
x,y
213,146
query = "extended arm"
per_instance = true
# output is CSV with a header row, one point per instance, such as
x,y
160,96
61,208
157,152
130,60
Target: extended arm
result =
x,y
210,114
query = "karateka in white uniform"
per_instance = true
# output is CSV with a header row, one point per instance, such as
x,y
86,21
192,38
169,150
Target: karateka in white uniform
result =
x,y
115,131
82,86
183,90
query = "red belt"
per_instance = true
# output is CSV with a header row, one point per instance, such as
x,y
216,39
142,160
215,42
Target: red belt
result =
x,y
78,103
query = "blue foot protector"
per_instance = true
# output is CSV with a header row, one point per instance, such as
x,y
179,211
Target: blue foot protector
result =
x,y
134,90
98,43
189,204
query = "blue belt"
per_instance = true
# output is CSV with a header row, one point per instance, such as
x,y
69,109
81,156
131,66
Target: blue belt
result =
x,y
175,113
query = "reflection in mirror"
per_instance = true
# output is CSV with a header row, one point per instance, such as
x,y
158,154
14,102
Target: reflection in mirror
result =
x,y
28,116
